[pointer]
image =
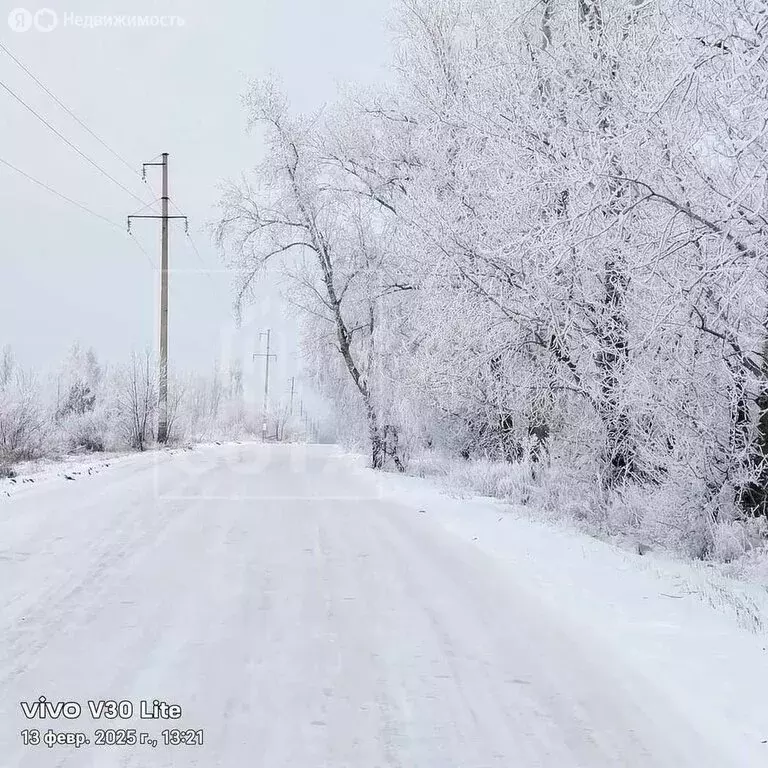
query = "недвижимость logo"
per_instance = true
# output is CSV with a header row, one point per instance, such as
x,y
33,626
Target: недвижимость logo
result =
x,y
22,20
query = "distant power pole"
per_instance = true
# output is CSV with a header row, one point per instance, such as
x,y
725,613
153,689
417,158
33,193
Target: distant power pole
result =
x,y
293,384
267,333
162,421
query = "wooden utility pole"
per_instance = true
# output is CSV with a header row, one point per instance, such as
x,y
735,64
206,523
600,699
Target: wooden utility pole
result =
x,y
162,420
267,333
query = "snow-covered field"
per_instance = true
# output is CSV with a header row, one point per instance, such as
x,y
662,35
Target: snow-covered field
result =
x,y
304,611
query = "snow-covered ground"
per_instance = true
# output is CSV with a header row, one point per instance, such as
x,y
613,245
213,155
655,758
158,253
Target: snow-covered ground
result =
x,y
304,611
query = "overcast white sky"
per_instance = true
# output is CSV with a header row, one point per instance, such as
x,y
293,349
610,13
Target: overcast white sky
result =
x,y
66,276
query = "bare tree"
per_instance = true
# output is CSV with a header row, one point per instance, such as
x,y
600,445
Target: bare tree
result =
x,y
137,401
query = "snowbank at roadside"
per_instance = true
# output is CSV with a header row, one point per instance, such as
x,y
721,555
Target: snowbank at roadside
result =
x,y
702,634
68,468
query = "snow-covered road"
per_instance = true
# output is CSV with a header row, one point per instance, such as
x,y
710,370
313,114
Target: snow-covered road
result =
x,y
302,615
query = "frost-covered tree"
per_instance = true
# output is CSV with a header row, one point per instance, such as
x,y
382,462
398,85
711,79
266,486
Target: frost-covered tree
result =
x,y
23,427
545,242
291,212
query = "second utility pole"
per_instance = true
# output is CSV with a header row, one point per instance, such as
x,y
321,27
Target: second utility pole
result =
x,y
162,421
266,384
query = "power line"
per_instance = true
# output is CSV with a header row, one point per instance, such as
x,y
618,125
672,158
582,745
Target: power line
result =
x,y
73,202
68,110
69,143
80,122
196,251
59,194
206,269
148,205
143,250
193,244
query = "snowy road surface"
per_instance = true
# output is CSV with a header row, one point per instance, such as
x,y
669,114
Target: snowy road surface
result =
x,y
303,616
